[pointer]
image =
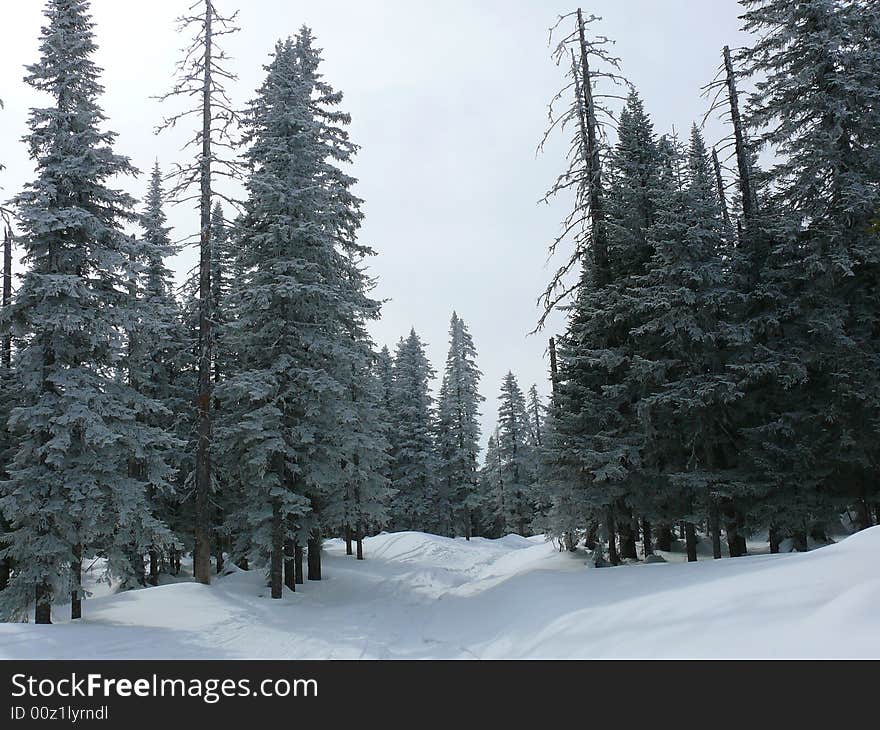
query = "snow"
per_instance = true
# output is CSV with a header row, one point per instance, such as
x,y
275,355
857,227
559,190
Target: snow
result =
x,y
423,596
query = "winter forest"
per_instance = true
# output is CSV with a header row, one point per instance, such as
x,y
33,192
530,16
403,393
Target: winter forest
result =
x,y
710,317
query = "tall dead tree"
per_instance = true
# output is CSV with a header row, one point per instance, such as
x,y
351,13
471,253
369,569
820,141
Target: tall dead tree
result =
x,y
201,75
585,226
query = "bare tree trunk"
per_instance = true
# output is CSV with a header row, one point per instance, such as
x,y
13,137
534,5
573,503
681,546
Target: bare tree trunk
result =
x,y
742,155
774,539
715,528
43,596
594,167
314,555
348,550
298,562
627,537
690,537
277,557
613,557
360,541
202,551
719,183
289,564
219,542
76,577
799,537
647,545
154,566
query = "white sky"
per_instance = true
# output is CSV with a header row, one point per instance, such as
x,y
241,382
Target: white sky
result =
x,y
448,102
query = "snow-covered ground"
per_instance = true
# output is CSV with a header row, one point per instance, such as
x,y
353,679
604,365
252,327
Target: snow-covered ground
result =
x,y
422,596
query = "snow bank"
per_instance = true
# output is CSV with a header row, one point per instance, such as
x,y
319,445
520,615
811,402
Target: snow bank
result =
x,y
423,596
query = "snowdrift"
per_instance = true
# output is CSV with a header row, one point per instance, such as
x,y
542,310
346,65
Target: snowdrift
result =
x,y
423,596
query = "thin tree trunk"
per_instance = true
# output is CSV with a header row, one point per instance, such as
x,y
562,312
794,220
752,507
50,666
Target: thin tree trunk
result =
x,y
627,538
298,562
742,155
592,536
719,183
594,167
43,596
715,528
647,545
289,564
348,550
800,540
202,551
243,563
219,542
774,539
6,363
613,557
360,541
76,577
314,555
690,537
154,566
277,557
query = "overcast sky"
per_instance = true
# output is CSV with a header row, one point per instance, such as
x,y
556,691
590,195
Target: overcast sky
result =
x,y
448,102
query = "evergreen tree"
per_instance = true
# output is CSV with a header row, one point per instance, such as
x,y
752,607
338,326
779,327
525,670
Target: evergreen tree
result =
x,y
289,419
458,431
79,422
514,457
413,462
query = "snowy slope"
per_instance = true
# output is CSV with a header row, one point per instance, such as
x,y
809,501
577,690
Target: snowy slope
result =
x,y
422,596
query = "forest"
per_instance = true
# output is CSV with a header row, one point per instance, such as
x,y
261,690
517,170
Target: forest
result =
x,y
717,378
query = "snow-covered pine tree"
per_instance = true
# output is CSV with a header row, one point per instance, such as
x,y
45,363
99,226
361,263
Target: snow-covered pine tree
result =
x,y
458,431
682,298
159,349
69,490
7,386
413,459
515,457
815,66
298,336
489,515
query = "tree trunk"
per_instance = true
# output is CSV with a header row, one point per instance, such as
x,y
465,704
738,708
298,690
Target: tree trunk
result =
x,y
219,541
289,564
243,563
774,539
202,551
715,528
314,555
863,513
76,578
277,557
593,161
592,536
348,550
360,541
613,557
800,540
690,538
664,538
719,183
568,541
298,562
742,155
627,538
43,610
154,566
647,545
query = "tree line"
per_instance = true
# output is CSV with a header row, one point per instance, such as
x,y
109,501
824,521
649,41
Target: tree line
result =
x,y
719,364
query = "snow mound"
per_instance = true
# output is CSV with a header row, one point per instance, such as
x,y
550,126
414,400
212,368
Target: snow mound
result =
x,y
424,596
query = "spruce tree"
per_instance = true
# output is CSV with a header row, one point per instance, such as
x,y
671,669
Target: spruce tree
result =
x,y
413,459
298,407
458,431
515,457
78,423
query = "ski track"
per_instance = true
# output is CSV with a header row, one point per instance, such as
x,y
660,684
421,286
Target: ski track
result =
x,y
423,596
